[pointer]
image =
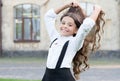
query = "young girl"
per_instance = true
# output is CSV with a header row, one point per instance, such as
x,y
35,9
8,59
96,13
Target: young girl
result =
x,y
71,45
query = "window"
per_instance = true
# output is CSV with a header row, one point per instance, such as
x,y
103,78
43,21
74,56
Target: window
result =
x,y
88,7
27,23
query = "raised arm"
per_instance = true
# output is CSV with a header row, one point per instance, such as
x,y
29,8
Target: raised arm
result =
x,y
96,12
50,17
63,7
85,28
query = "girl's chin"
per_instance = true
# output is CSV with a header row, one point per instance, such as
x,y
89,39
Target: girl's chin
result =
x,y
62,33
65,35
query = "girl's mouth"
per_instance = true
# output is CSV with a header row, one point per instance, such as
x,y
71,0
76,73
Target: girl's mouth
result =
x,y
64,30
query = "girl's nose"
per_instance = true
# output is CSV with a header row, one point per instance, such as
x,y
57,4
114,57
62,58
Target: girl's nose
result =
x,y
65,26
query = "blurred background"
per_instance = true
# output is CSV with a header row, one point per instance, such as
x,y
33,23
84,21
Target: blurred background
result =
x,y
24,41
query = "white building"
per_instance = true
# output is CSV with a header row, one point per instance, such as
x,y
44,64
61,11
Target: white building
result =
x,y
22,28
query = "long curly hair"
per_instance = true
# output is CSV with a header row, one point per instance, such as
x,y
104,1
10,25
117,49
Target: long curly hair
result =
x,y
91,41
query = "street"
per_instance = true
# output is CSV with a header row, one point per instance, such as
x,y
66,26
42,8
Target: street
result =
x,y
35,71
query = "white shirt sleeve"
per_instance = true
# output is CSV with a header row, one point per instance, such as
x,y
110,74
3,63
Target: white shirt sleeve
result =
x,y
84,29
49,19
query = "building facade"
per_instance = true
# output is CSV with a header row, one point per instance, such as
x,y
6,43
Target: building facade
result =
x,y
22,28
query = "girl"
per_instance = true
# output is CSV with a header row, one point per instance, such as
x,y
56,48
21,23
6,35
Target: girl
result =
x,y
73,42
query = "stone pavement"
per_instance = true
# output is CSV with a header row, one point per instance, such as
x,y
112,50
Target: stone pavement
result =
x,y
36,71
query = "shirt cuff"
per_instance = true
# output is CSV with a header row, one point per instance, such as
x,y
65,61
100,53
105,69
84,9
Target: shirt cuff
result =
x,y
89,21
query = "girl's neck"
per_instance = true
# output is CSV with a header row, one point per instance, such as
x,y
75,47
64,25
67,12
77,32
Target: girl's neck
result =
x,y
66,37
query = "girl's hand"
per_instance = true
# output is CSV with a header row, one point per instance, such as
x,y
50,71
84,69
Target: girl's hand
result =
x,y
61,8
96,12
72,4
97,8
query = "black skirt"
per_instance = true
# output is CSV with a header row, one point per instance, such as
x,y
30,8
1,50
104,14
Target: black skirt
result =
x,y
61,74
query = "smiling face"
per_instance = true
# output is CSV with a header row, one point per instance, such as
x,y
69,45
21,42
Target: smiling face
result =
x,y
68,26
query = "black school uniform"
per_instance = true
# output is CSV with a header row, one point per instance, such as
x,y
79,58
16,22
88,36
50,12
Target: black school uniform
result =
x,y
59,74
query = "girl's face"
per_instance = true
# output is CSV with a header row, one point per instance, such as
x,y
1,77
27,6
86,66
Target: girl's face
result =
x,y
68,26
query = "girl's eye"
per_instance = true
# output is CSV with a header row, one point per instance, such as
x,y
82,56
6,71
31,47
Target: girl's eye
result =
x,y
70,25
63,23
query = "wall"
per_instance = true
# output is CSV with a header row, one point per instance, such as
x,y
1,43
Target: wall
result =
x,y
8,27
111,36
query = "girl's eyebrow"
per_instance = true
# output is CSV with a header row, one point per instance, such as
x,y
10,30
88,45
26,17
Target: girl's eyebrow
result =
x,y
68,22
71,23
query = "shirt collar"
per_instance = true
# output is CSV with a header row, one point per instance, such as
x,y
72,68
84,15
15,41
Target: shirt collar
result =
x,y
66,37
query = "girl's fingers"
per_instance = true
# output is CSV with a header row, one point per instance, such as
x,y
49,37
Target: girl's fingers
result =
x,y
97,7
75,4
70,4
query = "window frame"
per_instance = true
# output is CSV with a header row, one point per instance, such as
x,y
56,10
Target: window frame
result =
x,y
86,9
22,39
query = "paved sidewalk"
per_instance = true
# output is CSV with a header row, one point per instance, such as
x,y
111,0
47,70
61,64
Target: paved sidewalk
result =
x,y
36,71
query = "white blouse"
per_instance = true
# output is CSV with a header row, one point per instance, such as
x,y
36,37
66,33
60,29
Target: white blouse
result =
x,y
75,43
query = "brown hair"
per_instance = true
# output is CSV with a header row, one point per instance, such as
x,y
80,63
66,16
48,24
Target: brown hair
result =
x,y
91,42
76,15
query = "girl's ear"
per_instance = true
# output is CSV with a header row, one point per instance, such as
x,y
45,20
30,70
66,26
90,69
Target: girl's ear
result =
x,y
75,33
76,30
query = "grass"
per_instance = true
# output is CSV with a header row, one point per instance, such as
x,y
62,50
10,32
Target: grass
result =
x,y
1,79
